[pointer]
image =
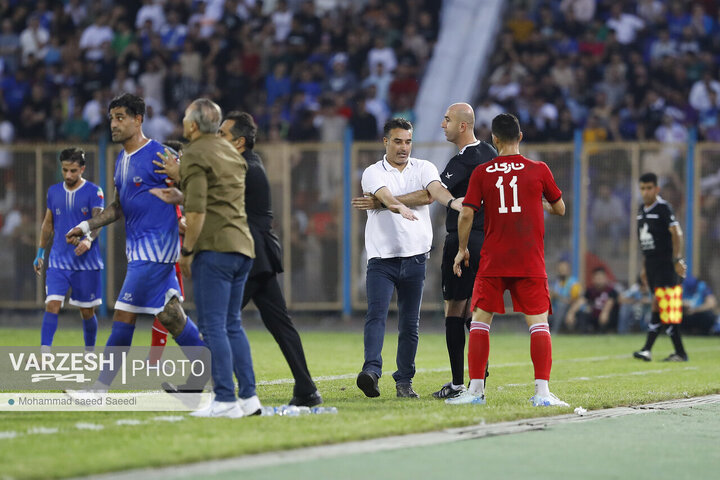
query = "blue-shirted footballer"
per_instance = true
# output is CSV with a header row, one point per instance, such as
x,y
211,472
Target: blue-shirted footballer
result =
x,y
152,243
75,267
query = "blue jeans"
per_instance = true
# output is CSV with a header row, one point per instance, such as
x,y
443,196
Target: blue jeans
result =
x,y
407,275
219,280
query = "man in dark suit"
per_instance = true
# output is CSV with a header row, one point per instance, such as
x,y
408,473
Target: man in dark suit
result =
x,y
262,286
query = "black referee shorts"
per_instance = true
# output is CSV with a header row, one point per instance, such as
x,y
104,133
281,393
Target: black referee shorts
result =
x,y
460,288
660,273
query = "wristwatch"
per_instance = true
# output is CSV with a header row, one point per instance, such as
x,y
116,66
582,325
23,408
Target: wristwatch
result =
x,y
185,252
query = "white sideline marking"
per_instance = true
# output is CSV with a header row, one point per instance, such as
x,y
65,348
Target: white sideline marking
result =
x,y
169,418
129,421
7,435
271,459
88,426
42,431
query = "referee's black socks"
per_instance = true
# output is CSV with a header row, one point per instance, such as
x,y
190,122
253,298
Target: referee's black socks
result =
x,y
455,339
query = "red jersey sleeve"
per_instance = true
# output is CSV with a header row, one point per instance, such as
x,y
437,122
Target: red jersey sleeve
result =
x,y
551,192
473,197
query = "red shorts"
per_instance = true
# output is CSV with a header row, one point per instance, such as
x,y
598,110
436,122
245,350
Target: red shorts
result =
x,y
530,296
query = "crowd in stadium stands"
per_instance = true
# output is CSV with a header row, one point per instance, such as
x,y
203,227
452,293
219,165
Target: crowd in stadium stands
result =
x,y
619,70
300,66
607,307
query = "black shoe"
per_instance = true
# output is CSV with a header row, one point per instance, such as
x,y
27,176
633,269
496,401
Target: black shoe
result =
x,y
188,396
368,383
405,390
311,400
447,391
676,357
172,388
644,355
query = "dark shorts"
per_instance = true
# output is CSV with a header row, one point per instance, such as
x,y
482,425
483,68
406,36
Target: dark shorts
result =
x,y
460,288
660,274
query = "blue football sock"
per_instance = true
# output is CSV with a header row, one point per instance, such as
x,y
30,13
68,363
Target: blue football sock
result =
x,y
121,336
49,326
190,336
90,331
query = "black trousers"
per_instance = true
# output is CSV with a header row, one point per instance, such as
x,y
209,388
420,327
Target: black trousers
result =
x,y
265,291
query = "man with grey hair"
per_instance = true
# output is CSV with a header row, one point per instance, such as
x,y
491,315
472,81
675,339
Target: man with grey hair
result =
x,y
218,250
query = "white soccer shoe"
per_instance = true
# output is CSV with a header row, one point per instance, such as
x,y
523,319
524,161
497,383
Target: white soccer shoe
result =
x,y
547,401
250,406
466,398
87,395
220,409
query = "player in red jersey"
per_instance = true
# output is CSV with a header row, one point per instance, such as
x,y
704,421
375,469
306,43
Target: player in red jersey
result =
x,y
514,190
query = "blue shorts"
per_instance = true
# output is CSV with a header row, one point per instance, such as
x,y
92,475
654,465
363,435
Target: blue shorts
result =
x,y
85,284
148,287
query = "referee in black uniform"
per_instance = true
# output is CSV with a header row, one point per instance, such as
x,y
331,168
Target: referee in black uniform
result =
x,y
458,124
661,241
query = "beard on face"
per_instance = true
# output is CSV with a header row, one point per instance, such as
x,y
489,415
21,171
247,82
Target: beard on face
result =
x,y
71,183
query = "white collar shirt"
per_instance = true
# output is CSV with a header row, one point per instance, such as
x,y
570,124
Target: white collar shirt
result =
x,y
388,234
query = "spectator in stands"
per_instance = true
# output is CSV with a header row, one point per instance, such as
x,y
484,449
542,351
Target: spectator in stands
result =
x,y
565,290
152,11
382,53
597,310
9,47
699,307
608,219
340,79
635,311
380,79
94,36
33,40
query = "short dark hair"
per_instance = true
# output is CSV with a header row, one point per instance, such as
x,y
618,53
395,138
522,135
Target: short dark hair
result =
x,y
134,104
649,178
73,154
396,122
243,126
175,145
506,127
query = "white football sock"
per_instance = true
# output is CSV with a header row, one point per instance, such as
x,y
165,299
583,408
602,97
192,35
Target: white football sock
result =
x,y
542,388
477,387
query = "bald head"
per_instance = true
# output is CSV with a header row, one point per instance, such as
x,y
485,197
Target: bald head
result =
x,y
462,112
459,124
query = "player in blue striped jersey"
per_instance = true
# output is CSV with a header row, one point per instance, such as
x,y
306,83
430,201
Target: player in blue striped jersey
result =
x,y
151,226
76,266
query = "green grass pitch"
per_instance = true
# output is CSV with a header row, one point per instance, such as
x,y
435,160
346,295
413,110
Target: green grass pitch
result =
x,y
589,371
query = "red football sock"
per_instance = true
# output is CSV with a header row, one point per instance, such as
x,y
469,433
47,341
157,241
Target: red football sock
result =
x,y
158,341
541,350
478,349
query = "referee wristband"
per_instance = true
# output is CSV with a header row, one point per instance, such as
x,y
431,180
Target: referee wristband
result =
x,y
450,202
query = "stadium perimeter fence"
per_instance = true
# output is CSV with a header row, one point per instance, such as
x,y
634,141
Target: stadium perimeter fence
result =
x,y
323,237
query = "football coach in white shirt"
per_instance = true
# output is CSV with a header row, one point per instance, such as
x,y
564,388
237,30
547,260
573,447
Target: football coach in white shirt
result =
x,y
398,241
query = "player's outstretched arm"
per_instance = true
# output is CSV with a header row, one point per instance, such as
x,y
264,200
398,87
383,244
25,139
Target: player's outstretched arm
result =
x,y
111,213
393,204
46,234
557,208
442,195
